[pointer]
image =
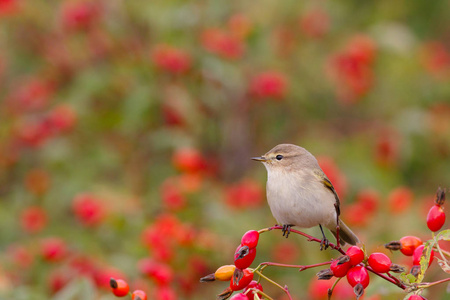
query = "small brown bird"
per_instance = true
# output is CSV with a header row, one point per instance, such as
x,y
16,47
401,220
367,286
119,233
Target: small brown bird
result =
x,y
300,194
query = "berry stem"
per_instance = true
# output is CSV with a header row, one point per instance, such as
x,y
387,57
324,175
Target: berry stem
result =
x,y
258,292
428,284
330,291
437,245
388,278
300,267
309,237
285,289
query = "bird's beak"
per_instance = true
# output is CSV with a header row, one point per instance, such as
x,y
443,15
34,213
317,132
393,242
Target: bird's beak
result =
x,y
261,158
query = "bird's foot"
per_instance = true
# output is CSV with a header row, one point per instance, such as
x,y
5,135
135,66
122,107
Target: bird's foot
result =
x,y
324,244
286,230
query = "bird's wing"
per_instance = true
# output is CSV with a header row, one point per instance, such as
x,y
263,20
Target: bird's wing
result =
x,y
327,183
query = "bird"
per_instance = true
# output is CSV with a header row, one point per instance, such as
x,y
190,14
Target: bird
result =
x,y
300,194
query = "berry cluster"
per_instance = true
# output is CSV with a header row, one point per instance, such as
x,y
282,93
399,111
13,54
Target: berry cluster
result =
x,y
120,288
240,275
354,264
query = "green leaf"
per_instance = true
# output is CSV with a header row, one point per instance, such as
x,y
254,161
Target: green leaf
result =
x,y
424,259
444,235
407,278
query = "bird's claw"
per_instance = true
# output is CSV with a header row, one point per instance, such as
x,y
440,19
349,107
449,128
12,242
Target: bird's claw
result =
x,y
286,230
324,244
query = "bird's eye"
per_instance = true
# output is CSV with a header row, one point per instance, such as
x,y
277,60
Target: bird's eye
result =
x,y
279,157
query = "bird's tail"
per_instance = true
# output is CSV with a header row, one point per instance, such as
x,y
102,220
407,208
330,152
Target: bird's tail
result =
x,y
346,235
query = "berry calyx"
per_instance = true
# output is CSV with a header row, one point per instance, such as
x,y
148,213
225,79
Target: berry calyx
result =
x,y
408,244
138,295
357,275
418,254
380,262
340,270
355,254
250,239
119,287
435,218
244,256
241,279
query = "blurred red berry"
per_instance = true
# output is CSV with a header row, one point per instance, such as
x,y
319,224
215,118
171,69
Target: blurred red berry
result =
x,y
436,218
369,199
161,273
387,147
269,84
355,254
244,194
418,254
240,296
165,293
247,277
79,15
357,275
318,290
8,7
57,279
315,23
351,70
356,214
138,295
120,288
53,249
32,94
20,256
400,199
102,275
32,132
188,160
253,285
88,209
37,181
223,43
171,59
380,262
33,219
416,297
62,118
436,59
172,197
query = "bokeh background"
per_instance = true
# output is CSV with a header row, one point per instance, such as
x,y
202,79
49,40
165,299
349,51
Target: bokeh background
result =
x,y
126,129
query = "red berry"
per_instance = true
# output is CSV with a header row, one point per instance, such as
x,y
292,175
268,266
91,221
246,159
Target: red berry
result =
x,y
250,239
244,256
139,295
409,244
416,297
380,262
240,296
247,277
418,254
356,255
253,285
119,287
340,270
436,218
357,275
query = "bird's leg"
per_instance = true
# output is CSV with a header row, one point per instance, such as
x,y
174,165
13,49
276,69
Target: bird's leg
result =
x,y
286,230
338,240
324,243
